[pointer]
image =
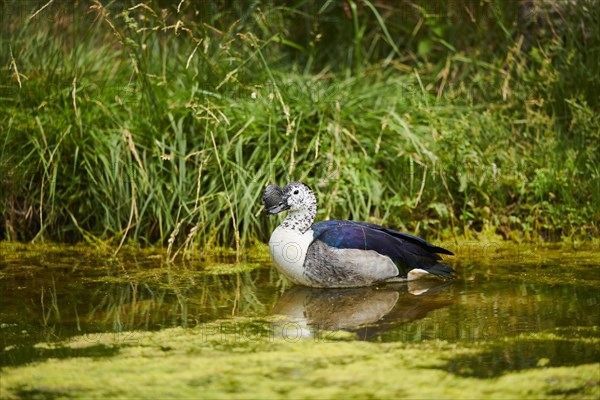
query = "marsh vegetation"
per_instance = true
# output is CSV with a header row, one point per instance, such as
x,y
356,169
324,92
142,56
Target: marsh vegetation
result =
x,y
161,122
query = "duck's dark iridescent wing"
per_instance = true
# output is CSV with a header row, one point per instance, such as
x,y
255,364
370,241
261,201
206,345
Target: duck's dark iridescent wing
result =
x,y
407,236
406,251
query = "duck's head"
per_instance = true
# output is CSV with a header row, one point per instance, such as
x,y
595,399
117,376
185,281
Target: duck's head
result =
x,y
295,196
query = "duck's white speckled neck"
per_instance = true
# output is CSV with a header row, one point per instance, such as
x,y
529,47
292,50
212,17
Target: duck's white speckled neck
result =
x,y
300,221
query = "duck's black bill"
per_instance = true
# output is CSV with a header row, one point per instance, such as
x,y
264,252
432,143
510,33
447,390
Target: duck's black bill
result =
x,y
277,209
274,200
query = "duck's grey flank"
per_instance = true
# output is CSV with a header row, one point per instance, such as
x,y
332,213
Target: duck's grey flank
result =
x,y
326,266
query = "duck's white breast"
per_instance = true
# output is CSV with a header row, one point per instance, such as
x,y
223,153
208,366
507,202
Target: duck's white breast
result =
x,y
288,250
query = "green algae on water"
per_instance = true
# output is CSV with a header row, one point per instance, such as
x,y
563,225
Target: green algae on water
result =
x,y
84,324
211,362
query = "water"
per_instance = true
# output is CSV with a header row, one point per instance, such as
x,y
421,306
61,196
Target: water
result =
x,y
52,294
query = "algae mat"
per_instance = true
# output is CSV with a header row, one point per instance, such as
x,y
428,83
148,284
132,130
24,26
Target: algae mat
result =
x,y
76,323
210,362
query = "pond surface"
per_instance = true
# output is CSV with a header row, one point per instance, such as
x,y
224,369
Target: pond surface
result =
x,y
522,306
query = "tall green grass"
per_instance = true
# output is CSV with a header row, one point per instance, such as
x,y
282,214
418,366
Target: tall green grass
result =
x,y
154,124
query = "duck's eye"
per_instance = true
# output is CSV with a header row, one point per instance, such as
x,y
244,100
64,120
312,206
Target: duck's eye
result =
x,y
296,191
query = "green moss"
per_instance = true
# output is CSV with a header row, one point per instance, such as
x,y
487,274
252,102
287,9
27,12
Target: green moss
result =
x,y
549,263
222,269
212,362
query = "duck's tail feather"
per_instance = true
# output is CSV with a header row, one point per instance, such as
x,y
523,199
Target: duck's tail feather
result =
x,y
442,270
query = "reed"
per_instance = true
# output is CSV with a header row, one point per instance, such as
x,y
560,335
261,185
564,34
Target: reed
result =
x,y
160,123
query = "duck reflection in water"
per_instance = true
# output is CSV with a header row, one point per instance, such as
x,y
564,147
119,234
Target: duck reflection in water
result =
x,y
366,311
